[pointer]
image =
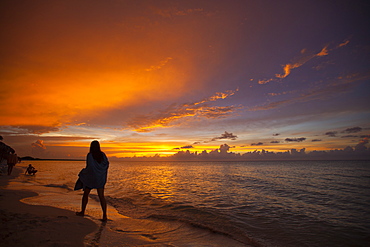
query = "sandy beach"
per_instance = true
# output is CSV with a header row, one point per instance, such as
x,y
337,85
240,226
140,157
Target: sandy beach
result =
x,y
33,215
31,225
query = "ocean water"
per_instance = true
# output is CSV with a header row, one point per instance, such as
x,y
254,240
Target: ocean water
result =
x,y
275,203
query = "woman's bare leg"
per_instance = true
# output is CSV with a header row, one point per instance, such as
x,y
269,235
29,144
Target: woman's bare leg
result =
x,y
103,203
10,169
85,199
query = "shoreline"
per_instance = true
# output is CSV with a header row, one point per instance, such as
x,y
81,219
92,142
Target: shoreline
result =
x,y
35,215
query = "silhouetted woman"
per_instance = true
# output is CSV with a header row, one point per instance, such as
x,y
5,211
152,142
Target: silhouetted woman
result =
x,y
94,176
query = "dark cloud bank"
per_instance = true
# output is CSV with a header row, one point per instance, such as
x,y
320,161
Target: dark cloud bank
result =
x,y
359,152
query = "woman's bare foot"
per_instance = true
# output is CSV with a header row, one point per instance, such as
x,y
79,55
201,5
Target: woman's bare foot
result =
x,y
80,214
105,218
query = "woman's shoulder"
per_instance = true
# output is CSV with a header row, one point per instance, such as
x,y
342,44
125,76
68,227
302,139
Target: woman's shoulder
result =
x,y
89,156
104,155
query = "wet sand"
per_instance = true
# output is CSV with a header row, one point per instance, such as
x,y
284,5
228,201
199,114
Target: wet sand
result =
x,y
34,215
29,225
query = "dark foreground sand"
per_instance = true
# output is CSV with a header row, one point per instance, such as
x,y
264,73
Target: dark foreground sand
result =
x,y
29,225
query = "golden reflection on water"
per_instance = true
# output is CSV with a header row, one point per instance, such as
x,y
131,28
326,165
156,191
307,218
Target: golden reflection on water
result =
x,y
196,183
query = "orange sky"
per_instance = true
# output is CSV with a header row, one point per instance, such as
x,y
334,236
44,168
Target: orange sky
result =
x,y
149,77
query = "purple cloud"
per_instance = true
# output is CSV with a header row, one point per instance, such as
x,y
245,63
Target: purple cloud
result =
x,y
187,147
352,130
257,144
225,135
295,139
331,133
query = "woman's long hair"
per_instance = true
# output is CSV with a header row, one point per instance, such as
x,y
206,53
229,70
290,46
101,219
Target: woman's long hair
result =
x,y
96,152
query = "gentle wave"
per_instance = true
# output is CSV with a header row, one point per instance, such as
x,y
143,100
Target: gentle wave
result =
x,y
175,211
319,203
62,186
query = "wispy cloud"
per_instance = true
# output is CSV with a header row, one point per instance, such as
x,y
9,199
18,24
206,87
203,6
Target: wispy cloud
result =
x,y
225,135
184,147
331,133
301,139
287,68
343,44
352,130
217,96
323,52
169,117
261,82
257,144
38,148
160,65
333,88
36,129
188,11
174,11
38,144
300,61
346,131
187,147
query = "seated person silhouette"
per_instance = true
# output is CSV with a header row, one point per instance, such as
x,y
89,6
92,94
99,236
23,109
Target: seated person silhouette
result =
x,y
30,170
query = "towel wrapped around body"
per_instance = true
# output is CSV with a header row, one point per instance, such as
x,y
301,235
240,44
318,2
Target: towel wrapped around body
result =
x,y
94,175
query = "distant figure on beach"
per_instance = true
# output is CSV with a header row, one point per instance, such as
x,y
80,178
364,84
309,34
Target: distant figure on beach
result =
x,y
11,159
30,170
93,176
5,150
